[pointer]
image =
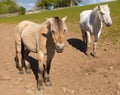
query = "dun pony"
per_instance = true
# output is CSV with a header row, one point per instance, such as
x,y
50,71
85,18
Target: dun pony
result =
x,y
42,39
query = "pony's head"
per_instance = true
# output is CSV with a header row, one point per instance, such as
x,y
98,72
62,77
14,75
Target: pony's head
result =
x,y
58,29
105,14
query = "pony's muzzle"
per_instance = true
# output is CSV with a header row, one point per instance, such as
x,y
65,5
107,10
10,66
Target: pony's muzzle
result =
x,y
59,48
108,24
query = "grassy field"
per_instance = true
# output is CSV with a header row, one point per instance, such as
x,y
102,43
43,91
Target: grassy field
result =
x,y
73,18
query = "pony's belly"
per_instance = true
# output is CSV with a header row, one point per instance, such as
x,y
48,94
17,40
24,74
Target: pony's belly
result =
x,y
30,43
32,49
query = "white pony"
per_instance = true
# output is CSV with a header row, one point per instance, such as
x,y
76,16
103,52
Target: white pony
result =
x,y
91,24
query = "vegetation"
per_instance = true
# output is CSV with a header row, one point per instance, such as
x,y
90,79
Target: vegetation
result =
x,y
112,32
9,6
46,3
21,10
56,3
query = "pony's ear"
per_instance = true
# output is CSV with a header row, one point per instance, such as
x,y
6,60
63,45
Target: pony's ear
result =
x,y
49,20
99,7
106,5
46,18
64,18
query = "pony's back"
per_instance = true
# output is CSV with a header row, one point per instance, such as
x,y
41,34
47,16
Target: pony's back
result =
x,y
84,15
22,25
85,19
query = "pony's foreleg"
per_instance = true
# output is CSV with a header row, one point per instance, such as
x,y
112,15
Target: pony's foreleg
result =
x,y
88,39
18,58
40,70
47,67
95,43
94,48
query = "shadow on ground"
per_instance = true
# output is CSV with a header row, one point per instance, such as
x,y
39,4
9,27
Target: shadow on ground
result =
x,y
34,66
78,44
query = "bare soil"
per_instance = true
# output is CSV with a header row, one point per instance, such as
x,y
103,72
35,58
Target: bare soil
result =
x,y
72,72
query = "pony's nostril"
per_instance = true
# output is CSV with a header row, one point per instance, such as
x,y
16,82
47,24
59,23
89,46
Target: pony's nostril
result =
x,y
62,48
108,24
57,47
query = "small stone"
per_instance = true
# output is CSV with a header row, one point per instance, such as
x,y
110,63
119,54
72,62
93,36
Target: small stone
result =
x,y
12,70
111,68
105,49
58,63
20,79
64,89
28,86
7,69
6,77
87,74
17,81
117,93
108,43
7,63
105,75
107,82
72,91
100,90
85,88
38,93
29,92
118,84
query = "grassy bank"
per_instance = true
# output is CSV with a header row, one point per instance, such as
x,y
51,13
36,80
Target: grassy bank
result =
x,y
73,18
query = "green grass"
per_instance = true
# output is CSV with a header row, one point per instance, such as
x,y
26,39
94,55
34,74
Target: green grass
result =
x,y
73,18
72,13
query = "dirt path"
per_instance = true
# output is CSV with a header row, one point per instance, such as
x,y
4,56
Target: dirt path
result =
x,y
72,73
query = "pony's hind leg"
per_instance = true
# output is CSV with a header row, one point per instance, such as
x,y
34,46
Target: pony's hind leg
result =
x,y
83,35
26,63
18,58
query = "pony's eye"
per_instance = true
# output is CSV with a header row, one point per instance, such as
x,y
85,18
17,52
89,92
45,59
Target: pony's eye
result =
x,y
102,13
65,30
53,31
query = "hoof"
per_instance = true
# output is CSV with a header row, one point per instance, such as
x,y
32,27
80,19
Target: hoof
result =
x,y
40,87
94,55
87,53
28,71
21,72
48,83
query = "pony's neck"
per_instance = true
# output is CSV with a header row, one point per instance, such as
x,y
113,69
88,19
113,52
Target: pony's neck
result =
x,y
95,14
50,41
